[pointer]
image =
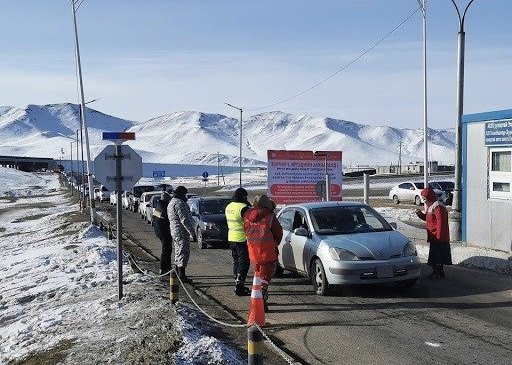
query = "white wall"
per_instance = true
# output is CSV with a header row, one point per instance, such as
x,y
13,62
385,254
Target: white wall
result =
x,y
488,221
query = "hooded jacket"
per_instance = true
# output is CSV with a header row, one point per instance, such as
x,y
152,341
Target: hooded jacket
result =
x,y
180,219
436,217
264,233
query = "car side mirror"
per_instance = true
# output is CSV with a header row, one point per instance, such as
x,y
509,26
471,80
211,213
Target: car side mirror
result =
x,y
393,225
301,231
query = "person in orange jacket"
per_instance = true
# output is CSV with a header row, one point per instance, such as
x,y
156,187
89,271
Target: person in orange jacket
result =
x,y
438,234
264,233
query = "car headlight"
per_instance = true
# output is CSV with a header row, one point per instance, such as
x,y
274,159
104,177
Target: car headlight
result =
x,y
209,225
343,255
409,250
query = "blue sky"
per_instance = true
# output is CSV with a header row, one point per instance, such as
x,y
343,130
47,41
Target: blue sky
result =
x,y
148,58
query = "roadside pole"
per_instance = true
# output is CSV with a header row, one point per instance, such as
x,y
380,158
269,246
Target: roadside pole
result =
x,y
366,181
119,220
118,158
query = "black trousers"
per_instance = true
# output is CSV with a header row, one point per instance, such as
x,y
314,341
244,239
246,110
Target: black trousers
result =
x,y
241,263
166,257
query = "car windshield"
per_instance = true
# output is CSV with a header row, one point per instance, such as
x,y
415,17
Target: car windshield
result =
x,y
213,206
348,219
446,184
138,190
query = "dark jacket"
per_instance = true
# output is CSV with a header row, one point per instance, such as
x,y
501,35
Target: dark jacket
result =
x,y
161,221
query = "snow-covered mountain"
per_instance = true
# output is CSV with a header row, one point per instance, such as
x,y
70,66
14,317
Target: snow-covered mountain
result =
x,y
199,138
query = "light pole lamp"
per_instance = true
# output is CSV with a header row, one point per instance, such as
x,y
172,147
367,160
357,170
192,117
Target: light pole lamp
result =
x,y
327,177
82,107
423,5
456,213
240,156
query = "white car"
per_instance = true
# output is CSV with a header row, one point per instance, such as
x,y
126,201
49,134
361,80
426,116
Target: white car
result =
x,y
113,198
410,191
103,194
144,202
125,199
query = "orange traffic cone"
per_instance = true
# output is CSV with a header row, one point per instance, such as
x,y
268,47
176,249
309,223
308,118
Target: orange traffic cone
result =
x,y
256,305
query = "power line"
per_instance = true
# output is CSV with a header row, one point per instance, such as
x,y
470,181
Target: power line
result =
x,y
372,47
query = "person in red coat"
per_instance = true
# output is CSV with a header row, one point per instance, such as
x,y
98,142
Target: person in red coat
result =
x,y
438,234
264,233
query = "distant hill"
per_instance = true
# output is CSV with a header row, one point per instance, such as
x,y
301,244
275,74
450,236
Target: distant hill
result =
x,y
198,138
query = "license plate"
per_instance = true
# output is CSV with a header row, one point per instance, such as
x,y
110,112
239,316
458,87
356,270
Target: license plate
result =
x,y
385,271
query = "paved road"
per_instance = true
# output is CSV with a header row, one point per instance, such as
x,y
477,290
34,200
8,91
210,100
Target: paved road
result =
x,y
466,319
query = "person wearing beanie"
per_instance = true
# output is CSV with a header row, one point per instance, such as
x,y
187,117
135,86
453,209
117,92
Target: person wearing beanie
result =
x,y
182,228
264,234
237,241
163,232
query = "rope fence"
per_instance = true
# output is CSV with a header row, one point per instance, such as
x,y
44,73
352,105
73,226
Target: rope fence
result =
x,y
150,274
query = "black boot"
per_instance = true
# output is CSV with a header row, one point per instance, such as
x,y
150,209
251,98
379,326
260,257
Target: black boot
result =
x,y
180,272
240,289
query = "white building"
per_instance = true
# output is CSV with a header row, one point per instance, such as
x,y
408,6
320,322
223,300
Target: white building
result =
x,y
487,179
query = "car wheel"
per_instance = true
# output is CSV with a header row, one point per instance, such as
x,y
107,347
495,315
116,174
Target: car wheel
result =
x,y
278,271
318,278
417,200
407,284
395,199
200,243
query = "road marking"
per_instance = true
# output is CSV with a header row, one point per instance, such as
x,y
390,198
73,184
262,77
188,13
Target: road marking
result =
x,y
433,344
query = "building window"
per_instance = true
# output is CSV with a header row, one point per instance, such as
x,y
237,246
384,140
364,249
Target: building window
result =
x,y
500,173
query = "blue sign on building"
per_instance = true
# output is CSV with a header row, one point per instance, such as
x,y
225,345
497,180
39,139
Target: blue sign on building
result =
x,y
157,174
498,133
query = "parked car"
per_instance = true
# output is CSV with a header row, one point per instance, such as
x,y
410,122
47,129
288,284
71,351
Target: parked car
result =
x,y
144,201
151,206
339,243
447,187
210,219
96,193
113,198
101,194
137,190
125,199
410,191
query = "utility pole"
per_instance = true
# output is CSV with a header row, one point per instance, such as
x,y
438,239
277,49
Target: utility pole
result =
x,y
218,169
423,5
455,216
82,108
400,158
240,156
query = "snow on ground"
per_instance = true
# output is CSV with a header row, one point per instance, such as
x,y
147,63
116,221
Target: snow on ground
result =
x,y
59,289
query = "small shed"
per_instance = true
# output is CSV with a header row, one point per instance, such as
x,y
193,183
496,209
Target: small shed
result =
x,y
487,179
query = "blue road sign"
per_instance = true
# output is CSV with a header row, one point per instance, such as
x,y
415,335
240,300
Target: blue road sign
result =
x,y
205,174
158,173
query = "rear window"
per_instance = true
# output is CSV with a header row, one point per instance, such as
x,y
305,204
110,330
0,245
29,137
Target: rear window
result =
x,y
214,206
138,190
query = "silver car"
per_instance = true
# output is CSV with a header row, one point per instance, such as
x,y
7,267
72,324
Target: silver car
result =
x,y
410,191
337,243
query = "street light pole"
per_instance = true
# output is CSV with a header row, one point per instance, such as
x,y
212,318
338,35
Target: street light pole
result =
x,y
423,6
82,108
456,213
240,157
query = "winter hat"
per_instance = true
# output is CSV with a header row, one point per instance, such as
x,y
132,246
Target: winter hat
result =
x,y
165,197
240,194
263,201
429,195
180,190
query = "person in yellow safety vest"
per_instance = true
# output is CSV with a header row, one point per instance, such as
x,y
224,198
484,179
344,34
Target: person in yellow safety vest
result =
x,y
237,241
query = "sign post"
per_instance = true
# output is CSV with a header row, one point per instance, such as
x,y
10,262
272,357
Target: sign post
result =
x,y
118,154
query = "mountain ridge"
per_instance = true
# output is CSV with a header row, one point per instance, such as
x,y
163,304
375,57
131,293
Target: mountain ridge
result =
x,y
193,137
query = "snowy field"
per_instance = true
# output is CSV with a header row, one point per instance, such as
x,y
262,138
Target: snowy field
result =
x,y
59,289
